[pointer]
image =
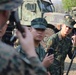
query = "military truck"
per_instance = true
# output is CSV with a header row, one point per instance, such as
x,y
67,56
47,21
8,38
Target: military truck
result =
x,y
31,9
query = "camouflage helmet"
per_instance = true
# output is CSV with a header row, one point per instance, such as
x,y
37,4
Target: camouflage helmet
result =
x,y
69,21
9,4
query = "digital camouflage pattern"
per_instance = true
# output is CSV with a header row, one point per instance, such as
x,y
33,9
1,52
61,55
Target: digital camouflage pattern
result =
x,y
61,47
9,4
12,64
39,50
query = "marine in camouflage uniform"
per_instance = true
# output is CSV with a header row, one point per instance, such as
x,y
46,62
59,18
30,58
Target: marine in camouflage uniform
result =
x,y
62,46
38,29
38,25
11,62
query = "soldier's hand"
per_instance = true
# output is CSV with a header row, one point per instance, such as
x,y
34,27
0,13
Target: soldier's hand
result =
x,y
48,60
74,40
27,42
48,73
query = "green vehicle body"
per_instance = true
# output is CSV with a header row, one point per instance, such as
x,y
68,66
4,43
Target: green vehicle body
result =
x,y
31,9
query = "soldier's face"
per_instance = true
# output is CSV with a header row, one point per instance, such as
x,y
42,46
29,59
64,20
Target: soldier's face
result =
x,y
4,15
66,30
38,34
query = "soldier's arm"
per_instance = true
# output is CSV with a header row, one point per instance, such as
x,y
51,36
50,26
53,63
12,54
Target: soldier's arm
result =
x,y
49,43
71,52
37,66
72,49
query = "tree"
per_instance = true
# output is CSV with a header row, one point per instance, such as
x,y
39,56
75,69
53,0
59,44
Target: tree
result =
x,y
68,4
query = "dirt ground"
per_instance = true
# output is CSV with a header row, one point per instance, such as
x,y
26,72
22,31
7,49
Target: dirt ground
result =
x,y
73,67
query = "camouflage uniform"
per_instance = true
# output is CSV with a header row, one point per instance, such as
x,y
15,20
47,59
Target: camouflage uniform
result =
x,y
39,50
11,62
62,47
41,24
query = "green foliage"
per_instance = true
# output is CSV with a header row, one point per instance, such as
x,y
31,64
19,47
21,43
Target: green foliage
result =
x,y
67,4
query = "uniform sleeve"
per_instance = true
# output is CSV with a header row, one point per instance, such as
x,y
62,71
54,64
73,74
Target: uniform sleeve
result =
x,y
16,66
11,63
71,52
11,66
49,43
37,66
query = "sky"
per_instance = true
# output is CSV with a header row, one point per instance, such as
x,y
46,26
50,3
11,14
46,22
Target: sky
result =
x,y
56,1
